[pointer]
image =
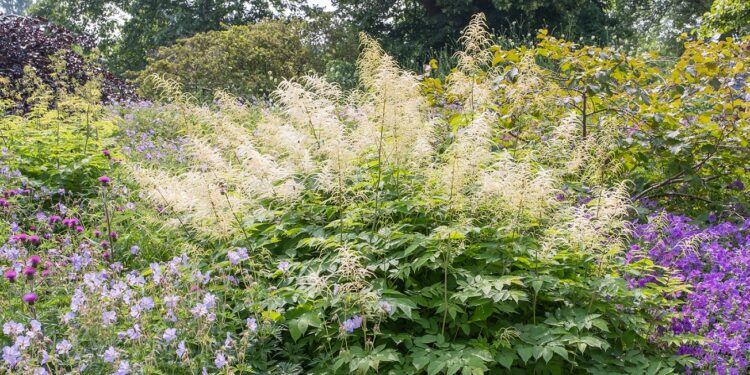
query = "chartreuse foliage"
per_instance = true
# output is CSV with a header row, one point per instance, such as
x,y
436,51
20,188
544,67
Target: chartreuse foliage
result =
x,y
247,60
58,146
683,126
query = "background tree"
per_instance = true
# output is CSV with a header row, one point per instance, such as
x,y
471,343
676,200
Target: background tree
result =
x,y
127,31
727,17
404,24
15,7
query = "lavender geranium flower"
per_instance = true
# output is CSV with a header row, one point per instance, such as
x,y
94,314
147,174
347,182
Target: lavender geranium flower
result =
x,y
12,328
111,355
713,262
220,361
181,349
170,334
252,324
235,257
109,318
352,324
11,356
63,347
123,368
283,266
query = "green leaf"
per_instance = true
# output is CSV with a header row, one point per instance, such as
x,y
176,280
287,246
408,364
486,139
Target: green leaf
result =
x,y
505,358
525,352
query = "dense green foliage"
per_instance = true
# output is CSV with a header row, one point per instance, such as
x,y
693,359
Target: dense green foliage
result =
x,y
250,61
728,17
243,60
126,41
57,146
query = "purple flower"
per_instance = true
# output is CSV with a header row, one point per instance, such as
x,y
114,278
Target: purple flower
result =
x,y
283,266
220,360
30,298
29,272
252,324
736,185
12,328
104,180
350,325
170,334
11,275
109,318
181,349
111,355
63,347
11,356
123,368
235,257
34,260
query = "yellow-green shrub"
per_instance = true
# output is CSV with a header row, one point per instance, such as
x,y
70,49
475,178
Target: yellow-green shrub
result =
x,y
248,60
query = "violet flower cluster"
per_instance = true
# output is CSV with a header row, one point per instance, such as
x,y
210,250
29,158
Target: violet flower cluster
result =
x,y
715,263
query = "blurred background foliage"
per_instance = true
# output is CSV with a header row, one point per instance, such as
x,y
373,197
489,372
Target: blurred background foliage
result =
x,y
136,36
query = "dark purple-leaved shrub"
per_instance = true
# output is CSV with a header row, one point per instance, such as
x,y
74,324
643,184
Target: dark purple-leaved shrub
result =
x,y
33,42
715,263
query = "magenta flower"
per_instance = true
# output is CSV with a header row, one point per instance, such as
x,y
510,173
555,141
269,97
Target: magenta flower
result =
x,y
106,153
34,260
104,180
79,229
11,275
29,272
30,298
